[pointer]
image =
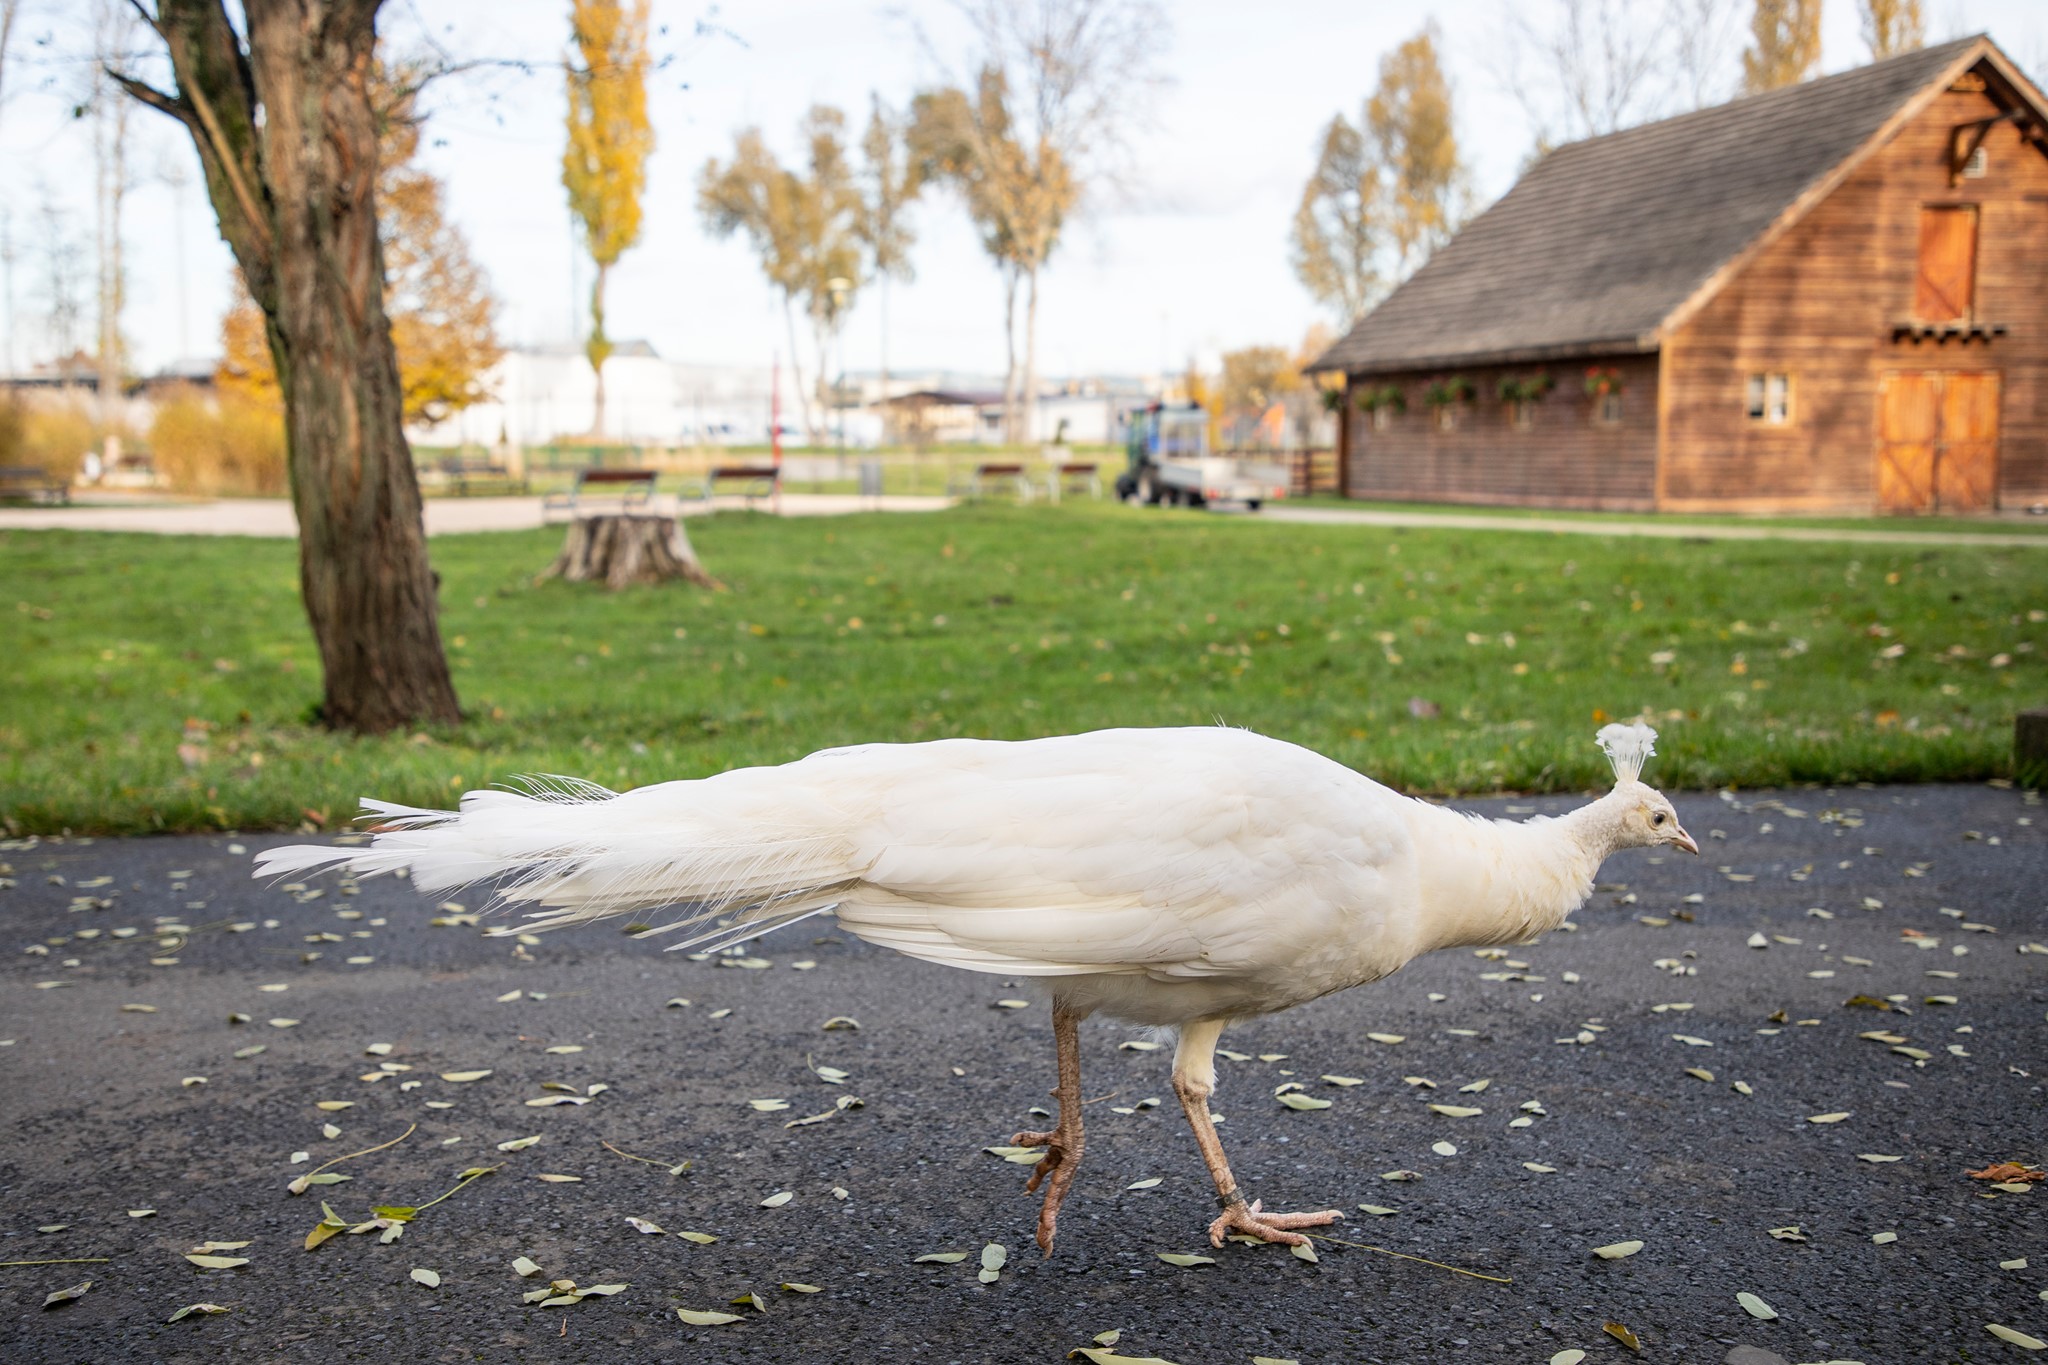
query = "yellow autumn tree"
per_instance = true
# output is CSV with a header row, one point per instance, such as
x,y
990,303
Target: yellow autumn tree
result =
x,y
1409,122
604,166
443,317
1893,26
1784,44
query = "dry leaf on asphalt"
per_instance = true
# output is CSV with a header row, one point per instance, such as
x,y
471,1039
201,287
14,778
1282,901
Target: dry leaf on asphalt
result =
x,y
702,1318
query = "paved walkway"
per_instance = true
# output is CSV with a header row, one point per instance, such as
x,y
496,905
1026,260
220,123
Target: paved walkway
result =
x,y
1668,530
445,516
449,516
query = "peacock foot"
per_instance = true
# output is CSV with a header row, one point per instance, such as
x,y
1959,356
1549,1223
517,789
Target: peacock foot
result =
x,y
1056,1172
1249,1220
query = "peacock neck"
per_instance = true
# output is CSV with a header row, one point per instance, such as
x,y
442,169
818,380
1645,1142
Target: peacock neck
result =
x,y
1500,881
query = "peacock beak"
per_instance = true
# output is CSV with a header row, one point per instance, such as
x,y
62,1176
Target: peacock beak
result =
x,y
1685,841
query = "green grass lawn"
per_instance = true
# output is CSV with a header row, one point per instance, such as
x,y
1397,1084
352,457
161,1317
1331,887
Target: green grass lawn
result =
x,y
1760,662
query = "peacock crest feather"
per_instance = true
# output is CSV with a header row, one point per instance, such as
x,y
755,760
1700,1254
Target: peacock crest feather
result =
x,y
1628,748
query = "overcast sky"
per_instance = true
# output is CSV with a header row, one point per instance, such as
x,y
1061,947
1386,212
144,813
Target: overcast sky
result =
x,y
1191,261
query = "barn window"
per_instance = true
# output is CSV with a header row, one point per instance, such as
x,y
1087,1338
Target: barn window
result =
x,y
1447,417
1768,399
1383,417
1607,412
1522,414
1979,162
1944,290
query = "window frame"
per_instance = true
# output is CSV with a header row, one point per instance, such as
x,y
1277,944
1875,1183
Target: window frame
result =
x,y
1769,398
1607,409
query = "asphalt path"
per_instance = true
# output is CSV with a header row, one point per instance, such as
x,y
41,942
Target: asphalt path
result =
x,y
128,1088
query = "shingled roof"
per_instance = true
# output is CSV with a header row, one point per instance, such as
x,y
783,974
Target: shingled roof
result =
x,y
1597,245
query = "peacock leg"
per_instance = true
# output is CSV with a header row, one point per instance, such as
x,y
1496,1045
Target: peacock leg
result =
x,y
1194,1080
1064,1143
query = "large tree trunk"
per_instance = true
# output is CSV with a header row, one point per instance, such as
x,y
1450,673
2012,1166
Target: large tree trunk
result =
x,y
287,137
624,550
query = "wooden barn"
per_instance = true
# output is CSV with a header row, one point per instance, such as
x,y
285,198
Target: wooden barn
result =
x,y
1829,298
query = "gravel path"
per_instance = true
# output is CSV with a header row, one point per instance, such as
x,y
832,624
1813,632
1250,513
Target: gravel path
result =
x,y
1586,1034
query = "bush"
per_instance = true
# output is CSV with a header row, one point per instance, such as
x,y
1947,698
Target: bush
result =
x,y
13,430
53,436
226,443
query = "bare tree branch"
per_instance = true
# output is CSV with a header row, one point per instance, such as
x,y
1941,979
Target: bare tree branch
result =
x,y
8,10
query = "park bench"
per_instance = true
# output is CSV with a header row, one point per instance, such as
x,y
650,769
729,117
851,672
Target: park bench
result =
x,y
607,492
479,474
990,479
1075,477
757,481
26,483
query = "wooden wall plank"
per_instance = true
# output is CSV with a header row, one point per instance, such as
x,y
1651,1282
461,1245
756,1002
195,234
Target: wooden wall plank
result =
x,y
1565,459
1820,303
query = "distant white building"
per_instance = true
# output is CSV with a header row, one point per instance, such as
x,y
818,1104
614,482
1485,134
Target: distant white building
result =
x,y
543,395
948,408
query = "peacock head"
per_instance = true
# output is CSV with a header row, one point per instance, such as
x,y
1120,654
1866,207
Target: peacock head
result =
x,y
1647,818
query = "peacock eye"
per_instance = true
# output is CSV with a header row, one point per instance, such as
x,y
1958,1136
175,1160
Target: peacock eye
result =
x,y
1658,818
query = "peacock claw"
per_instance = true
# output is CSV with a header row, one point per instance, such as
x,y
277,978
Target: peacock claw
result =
x,y
1061,1164
1055,1156
1268,1227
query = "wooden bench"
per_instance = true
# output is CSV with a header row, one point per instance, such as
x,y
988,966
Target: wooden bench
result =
x,y
472,474
26,483
608,492
987,480
757,481
1075,477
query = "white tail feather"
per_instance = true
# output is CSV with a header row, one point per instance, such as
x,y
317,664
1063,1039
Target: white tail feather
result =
x,y
1628,748
579,853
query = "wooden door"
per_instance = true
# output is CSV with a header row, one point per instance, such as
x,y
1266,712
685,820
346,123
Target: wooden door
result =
x,y
1966,465
1937,444
1945,288
1909,424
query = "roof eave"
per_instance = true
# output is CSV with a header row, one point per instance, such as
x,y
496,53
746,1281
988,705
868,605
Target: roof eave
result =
x,y
1983,49
1511,355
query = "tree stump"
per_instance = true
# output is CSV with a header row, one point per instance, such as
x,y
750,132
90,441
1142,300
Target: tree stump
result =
x,y
2030,747
624,550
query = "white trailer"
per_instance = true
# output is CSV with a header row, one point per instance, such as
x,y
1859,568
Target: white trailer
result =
x,y
1168,450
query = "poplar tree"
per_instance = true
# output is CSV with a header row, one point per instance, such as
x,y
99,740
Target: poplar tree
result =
x,y
1384,193
1409,120
1893,26
1337,229
604,165
1784,44
1058,85
804,227
892,179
